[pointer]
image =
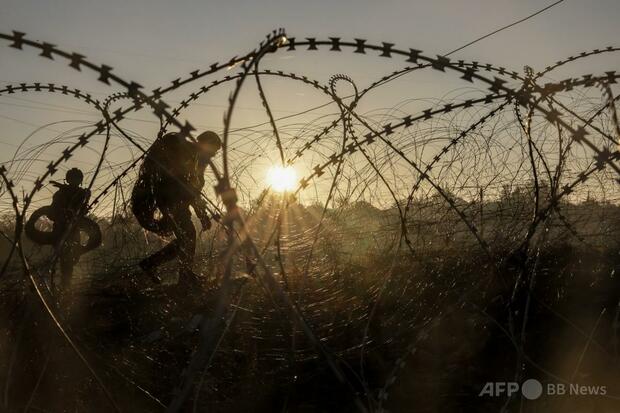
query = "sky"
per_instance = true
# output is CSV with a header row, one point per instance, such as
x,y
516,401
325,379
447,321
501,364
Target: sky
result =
x,y
155,41
191,32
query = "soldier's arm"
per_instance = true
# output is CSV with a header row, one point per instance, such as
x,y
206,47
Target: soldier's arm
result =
x,y
84,203
56,198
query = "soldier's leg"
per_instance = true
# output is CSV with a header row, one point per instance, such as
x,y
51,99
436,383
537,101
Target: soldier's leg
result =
x,y
186,237
60,256
165,254
70,255
66,266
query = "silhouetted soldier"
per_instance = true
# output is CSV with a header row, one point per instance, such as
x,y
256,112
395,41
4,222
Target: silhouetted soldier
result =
x,y
68,206
171,180
68,214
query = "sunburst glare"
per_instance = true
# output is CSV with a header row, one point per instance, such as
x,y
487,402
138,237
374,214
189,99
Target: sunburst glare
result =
x,y
282,179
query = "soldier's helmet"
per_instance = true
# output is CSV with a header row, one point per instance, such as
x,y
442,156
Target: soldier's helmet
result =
x,y
210,142
74,177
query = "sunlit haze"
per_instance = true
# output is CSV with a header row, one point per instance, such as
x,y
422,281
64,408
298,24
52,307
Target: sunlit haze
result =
x,y
282,178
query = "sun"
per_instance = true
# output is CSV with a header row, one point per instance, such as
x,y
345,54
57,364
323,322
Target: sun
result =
x,y
282,179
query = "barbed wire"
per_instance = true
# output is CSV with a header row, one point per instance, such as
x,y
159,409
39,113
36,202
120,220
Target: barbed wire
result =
x,y
528,147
